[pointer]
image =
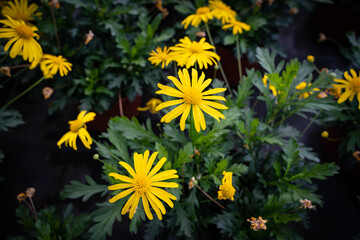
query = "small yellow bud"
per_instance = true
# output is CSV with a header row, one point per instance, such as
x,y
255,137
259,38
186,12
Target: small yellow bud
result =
x,y
325,134
310,58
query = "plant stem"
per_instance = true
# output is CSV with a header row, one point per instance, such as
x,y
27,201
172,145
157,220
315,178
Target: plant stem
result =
x,y
20,66
33,207
310,123
120,103
207,195
176,70
219,63
55,27
238,56
24,92
4,57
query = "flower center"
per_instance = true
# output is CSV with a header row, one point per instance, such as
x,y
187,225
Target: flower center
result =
x,y
142,184
356,84
24,31
202,10
192,96
195,47
76,125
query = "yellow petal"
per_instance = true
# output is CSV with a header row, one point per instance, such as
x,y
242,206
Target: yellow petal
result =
x,y
121,177
157,167
147,208
121,195
128,168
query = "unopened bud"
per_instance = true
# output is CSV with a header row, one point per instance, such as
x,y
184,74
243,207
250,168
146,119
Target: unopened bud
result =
x,y
325,134
96,156
333,76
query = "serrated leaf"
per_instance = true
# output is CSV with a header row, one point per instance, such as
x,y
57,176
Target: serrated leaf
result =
x,y
238,168
77,189
184,156
104,219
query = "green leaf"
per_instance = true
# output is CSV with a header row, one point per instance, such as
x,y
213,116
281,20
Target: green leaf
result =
x,y
152,229
119,141
220,167
9,119
184,156
266,60
229,39
319,171
104,219
186,226
132,129
77,189
238,168
174,134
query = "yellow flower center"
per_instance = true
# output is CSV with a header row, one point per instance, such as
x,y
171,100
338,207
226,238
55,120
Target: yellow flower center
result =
x,y
192,96
356,84
142,184
76,125
24,31
202,10
195,47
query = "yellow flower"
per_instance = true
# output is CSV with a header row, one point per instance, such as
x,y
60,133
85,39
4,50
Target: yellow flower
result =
x,y
310,58
160,56
145,184
351,86
78,127
202,14
257,223
226,190
324,134
222,11
271,87
187,53
237,27
50,65
22,35
192,97
151,105
19,10
303,85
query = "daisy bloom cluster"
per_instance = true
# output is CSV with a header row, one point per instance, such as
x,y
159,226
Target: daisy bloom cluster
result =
x,y
257,223
78,128
222,11
237,27
351,85
20,10
21,39
151,105
226,190
203,14
145,183
303,85
188,52
50,65
162,56
191,96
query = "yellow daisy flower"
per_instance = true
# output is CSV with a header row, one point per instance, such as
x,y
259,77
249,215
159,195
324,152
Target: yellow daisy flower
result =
x,y
226,190
222,11
310,58
303,85
151,105
237,27
271,87
351,86
50,65
22,36
145,184
160,56
20,10
187,53
192,97
78,128
203,14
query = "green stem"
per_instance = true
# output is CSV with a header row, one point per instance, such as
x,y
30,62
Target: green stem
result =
x,y
219,63
118,159
310,123
24,92
55,26
176,70
238,56
4,57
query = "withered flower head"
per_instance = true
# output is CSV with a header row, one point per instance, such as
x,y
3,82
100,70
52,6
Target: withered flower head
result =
x,y
88,37
5,71
47,92
30,192
305,203
21,197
